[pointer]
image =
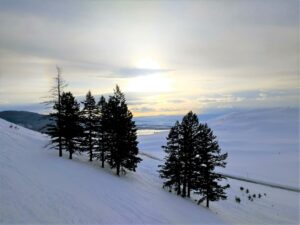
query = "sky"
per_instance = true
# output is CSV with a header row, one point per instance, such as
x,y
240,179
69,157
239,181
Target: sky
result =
x,y
168,57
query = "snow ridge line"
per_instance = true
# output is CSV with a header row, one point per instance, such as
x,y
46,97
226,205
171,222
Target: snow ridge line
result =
x,y
255,181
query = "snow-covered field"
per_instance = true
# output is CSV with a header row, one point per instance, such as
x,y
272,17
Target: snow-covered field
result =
x,y
262,145
36,186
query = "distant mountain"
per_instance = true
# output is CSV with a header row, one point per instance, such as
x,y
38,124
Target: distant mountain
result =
x,y
167,121
38,122
30,120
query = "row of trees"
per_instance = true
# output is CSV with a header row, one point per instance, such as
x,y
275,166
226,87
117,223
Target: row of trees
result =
x,y
192,153
105,130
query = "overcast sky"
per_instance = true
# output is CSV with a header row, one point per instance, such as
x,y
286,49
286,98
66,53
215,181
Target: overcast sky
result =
x,y
168,57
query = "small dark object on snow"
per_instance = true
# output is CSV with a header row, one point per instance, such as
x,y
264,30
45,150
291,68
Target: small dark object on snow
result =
x,y
247,191
237,199
259,195
241,188
254,196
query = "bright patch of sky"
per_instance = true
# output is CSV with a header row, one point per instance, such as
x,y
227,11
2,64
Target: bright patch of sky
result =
x,y
168,57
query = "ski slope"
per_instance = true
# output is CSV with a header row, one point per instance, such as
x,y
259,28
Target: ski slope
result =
x,y
38,187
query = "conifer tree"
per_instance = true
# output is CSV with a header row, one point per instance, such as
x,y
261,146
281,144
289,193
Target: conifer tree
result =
x,y
122,134
103,137
209,157
89,119
70,123
171,171
192,155
188,142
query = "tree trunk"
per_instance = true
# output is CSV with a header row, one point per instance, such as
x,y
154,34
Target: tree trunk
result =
x,y
90,145
188,190
184,189
70,155
207,189
178,188
102,159
91,155
60,146
118,170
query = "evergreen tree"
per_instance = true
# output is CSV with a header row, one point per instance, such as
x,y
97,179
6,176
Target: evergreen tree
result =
x,y
192,153
188,143
122,134
70,123
89,118
171,171
207,158
103,137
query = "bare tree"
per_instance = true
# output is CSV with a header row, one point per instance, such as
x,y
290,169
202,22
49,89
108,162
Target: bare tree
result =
x,y
55,102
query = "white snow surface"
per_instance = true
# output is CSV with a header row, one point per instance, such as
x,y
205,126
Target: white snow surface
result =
x,y
262,144
38,187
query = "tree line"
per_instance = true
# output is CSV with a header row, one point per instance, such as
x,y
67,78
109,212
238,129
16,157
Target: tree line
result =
x,y
106,132
192,153
104,129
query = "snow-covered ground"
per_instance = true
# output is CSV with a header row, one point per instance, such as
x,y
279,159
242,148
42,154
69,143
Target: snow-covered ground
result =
x,y
263,145
36,186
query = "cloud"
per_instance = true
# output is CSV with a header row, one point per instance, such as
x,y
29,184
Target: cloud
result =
x,y
177,101
242,47
132,72
143,109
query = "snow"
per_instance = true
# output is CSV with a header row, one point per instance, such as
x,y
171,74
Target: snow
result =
x,y
262,144
38,187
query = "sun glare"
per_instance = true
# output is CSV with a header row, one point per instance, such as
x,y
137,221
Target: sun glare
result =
x,y
147,63
152,82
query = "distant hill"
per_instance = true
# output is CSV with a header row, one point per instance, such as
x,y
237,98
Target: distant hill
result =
x,y
38,122
30,120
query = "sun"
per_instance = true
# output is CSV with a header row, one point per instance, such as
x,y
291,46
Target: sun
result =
x,y
155,81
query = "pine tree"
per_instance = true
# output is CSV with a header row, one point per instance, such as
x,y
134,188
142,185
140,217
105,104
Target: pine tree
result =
x,y
188,140
192,153
70,123
208,157
171,171
103,137
122,134
89,118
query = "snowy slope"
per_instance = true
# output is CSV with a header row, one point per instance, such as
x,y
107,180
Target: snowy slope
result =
x,y
262,144
38,187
